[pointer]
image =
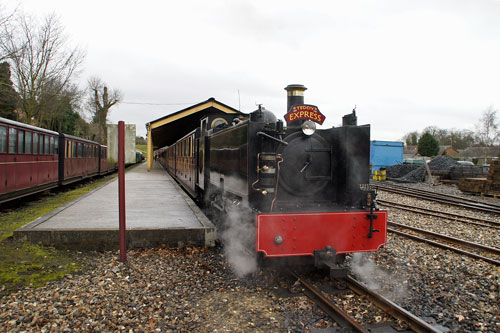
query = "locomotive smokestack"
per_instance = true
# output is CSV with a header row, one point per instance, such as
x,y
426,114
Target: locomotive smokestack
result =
x,y
295,96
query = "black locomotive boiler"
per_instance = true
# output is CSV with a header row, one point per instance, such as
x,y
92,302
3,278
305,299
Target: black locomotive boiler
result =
x,y
302,189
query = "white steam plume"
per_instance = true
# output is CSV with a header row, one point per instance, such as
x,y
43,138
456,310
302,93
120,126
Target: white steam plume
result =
x,y
392,287
239,242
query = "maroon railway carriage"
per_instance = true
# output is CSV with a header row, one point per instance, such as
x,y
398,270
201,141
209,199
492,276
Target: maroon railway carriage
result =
x,y
105,165
34,159
29,159
81,158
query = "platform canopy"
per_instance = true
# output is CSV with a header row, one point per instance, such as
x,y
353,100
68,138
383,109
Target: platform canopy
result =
x,y
166,130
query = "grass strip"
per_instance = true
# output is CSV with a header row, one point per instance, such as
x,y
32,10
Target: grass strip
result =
x,y
25,264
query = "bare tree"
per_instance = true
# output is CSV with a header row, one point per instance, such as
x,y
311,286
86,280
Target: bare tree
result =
x,y
6,30
487,128
100,100
411,139
41,62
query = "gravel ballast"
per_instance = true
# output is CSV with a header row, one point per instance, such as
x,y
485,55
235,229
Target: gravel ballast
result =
x,y
193,289
159,290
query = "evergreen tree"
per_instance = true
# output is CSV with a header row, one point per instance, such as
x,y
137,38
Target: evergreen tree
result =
x,y
8,96
428,145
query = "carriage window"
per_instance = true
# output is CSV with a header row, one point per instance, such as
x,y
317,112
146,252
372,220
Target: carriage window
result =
x,y
52,145
80,150
74,149
35,143
12,140
56,146
41,143
46,145
28,142
3,139
20,142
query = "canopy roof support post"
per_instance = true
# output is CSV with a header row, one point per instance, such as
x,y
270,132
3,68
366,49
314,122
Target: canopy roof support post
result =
x,y
150,149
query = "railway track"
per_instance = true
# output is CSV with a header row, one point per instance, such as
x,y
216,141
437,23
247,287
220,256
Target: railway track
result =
x,y
348,322
441,198
340,316
442,214
460,242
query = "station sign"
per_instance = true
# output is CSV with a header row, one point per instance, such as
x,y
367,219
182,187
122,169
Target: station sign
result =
x,y
304,112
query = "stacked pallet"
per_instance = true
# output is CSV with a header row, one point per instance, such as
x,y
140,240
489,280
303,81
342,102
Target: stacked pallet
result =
x,y
486,186
472,185
492,186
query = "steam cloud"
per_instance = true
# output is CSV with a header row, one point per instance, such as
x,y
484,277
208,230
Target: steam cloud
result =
x,y
394,288
238,236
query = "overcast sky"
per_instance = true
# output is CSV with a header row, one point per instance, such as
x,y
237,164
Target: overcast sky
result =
x,y
405,64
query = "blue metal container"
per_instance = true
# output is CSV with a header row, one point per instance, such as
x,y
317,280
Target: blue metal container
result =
x,y
385,153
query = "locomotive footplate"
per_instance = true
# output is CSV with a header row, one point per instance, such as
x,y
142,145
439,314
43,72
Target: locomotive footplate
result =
x,y
327,259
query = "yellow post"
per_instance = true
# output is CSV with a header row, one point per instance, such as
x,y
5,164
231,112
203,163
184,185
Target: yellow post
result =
x,y
150,149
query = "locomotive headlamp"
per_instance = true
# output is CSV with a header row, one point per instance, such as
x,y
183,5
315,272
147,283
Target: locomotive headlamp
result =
x,y
308,127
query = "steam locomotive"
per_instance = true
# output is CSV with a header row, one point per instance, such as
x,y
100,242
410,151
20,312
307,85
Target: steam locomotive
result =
x,y
302,190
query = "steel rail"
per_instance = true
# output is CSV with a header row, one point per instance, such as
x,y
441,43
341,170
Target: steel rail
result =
x,y
443,196
455,240
339,315
488,204
391,308
436,198
441,214
444,246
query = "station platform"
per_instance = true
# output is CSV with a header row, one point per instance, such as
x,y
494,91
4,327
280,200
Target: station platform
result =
x,y
158,213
